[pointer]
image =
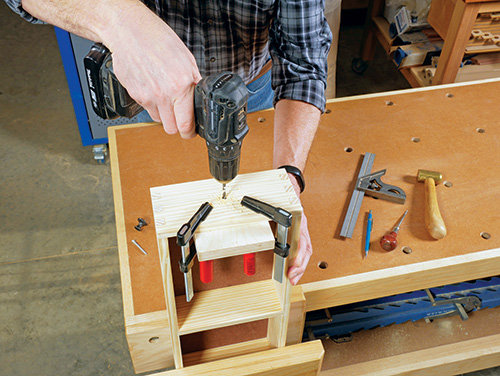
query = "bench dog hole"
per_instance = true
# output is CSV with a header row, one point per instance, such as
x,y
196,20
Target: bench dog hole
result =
x,y
485,235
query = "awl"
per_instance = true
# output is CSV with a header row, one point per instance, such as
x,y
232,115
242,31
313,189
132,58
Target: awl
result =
x,y
284,220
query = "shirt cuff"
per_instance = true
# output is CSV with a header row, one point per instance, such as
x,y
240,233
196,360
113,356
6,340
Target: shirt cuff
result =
x,y
17,7
310,91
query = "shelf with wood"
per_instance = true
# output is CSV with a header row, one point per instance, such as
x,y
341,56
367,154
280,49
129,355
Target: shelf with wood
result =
x,y
298,360
228,306
466,27
382,33
455,20
223,352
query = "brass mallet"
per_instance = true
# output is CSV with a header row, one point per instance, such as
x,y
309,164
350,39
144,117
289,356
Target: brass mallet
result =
x,y
433,220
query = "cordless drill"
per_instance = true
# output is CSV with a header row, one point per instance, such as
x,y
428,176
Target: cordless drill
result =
x,y
220,104
220,107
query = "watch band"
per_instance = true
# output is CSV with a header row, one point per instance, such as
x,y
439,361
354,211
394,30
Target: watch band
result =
x,y
298,174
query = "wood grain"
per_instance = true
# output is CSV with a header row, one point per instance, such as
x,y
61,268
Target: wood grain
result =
x,y
457,37
454,359
234,240
173,205
223,352
433,219
304,359
228,306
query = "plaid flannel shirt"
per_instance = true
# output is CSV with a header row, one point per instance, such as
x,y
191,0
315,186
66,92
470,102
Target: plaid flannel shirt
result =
x,y
241,35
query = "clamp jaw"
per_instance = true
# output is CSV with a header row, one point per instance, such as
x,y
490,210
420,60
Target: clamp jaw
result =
x,y
284,220
184,236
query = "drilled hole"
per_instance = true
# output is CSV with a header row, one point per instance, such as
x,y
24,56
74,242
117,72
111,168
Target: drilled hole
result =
x,y
449,95
323,265
261,120
348,150
406,250
154,339
415,139
485,235
480,130
448,184
389,103
328,111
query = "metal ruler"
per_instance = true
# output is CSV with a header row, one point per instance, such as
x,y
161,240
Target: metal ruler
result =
x,y
371,185
356,198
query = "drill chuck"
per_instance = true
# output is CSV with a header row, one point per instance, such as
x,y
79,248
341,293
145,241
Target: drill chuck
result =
x,y
224,162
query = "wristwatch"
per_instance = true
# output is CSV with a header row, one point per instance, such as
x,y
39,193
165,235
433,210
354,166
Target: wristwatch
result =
x,y
298,175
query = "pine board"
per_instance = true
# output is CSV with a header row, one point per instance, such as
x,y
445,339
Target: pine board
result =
x,y
174,205
233,241
228,306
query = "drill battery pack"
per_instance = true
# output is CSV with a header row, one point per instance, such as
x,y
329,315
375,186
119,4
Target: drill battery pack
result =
x,y
109,98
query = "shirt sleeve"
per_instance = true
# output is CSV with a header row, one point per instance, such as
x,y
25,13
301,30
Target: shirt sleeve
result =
x,y
17,7
299,41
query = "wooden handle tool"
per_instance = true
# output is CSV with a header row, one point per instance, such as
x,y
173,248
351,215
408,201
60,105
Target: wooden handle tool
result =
x,y
433,219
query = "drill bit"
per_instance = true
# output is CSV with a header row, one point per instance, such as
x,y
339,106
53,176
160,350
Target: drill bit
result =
x,y
224,193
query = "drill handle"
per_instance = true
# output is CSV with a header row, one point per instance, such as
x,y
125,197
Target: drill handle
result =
x,y
220,102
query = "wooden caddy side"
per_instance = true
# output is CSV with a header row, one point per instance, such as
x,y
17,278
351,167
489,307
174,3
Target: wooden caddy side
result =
x,y
147,334
173,206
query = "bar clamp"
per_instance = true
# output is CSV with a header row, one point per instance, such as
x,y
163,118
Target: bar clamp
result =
x,y
283,219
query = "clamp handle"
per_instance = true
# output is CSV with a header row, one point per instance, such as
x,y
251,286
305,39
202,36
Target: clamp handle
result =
x,y
187,230
278,215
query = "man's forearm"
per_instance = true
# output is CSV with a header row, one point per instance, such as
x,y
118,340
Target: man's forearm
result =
x,y
295,126
99,21
149,59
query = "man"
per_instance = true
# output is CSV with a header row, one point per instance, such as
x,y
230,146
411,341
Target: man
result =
x,y
162,49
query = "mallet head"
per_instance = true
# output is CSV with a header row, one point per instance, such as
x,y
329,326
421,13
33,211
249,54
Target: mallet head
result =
x,y
426,174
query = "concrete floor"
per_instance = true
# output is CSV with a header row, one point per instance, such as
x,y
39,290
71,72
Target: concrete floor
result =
x,y
60,294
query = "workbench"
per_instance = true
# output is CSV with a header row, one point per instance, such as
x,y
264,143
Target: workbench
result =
x,y
452,129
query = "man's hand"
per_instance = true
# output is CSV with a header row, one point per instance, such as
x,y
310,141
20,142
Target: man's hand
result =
x,y
149,59
299,263
295,125
158,71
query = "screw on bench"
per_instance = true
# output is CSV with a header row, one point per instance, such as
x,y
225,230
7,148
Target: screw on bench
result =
x,y
142,222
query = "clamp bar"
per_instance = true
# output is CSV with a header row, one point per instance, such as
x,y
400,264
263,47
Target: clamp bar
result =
x,y
184,235
284,220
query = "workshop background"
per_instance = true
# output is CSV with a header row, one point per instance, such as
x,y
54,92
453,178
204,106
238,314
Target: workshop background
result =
x,y
60,293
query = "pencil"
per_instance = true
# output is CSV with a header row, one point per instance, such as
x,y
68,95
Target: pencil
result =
x,y
369,224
